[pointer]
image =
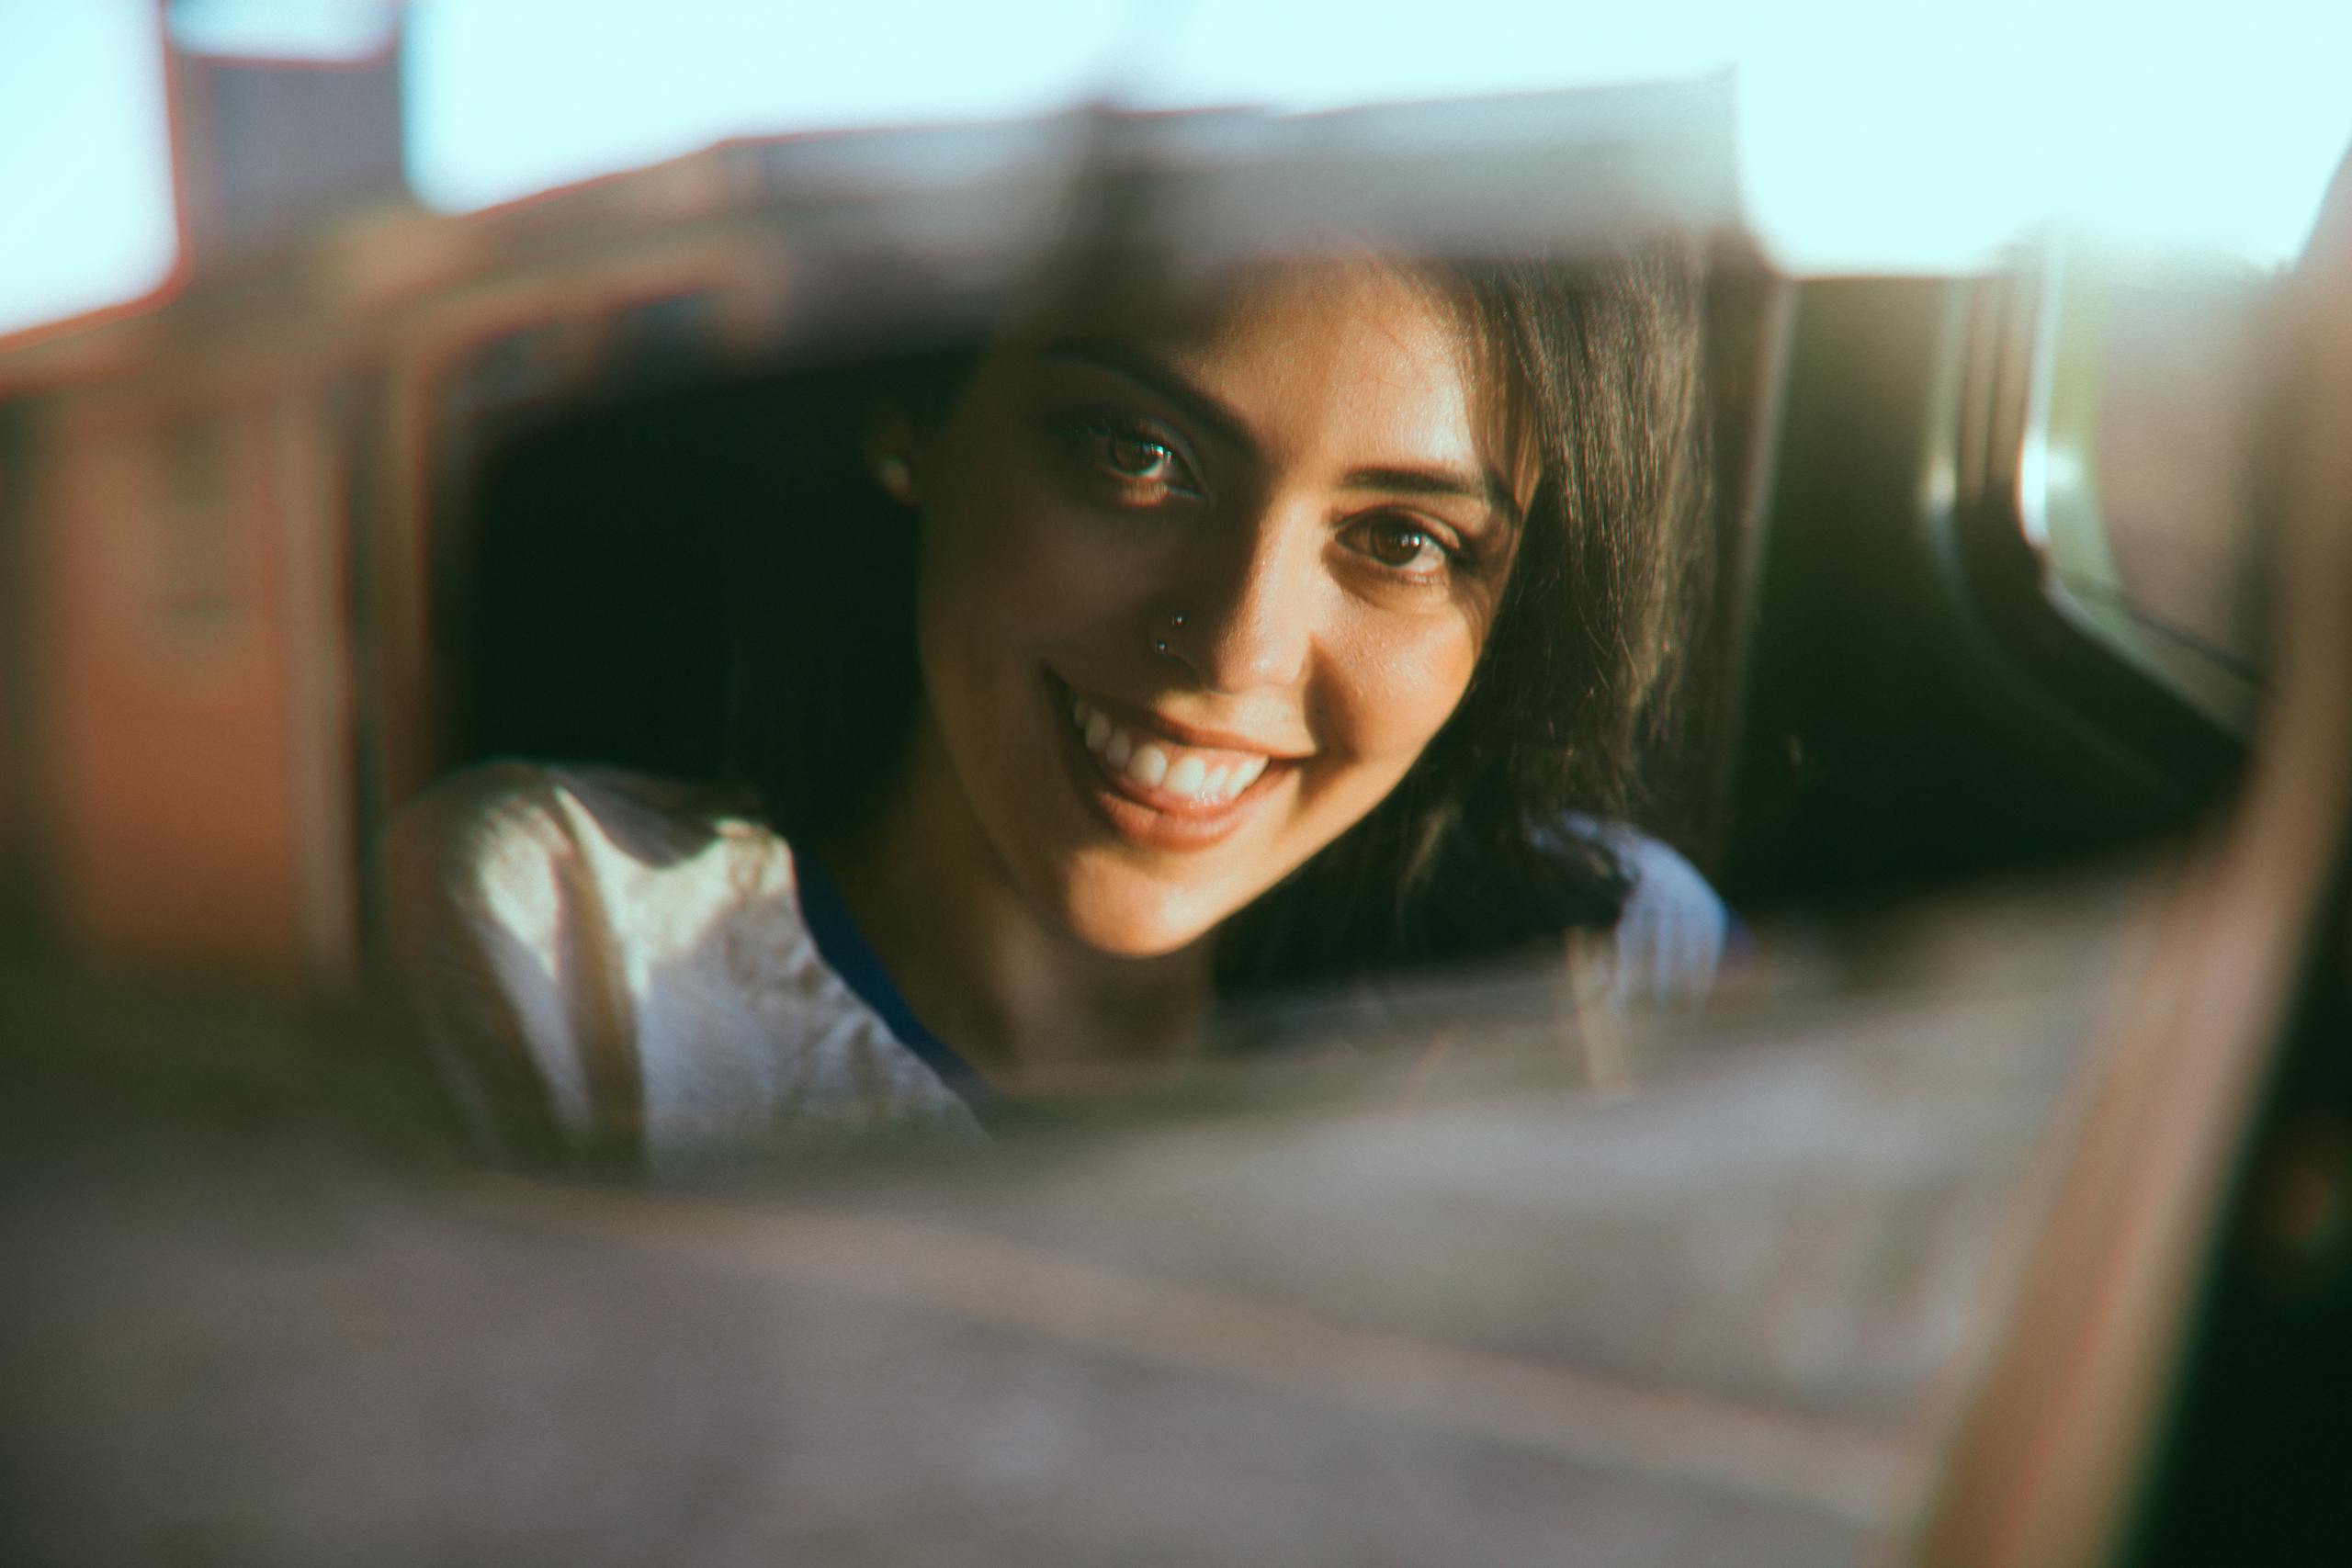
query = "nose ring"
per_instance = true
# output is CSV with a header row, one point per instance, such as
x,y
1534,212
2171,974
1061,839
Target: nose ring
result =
x,y
1159,644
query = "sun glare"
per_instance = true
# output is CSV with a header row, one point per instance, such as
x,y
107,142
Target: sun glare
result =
x,y
1871,137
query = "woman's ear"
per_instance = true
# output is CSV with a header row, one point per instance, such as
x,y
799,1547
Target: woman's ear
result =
x,y
888,450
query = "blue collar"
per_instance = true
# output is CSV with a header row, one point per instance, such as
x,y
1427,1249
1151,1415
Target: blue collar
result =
x,y
845,947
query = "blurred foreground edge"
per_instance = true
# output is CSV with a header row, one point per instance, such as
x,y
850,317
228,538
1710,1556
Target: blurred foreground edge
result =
x,y
2172,1381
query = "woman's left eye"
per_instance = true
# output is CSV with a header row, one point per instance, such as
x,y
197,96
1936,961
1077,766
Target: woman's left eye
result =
x,y
1406,547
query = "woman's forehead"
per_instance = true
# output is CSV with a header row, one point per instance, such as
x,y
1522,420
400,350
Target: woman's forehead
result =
x,y
1389,326
1159,300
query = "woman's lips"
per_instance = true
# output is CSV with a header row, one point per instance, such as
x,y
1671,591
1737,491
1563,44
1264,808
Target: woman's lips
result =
x,y
1201,775
1154,790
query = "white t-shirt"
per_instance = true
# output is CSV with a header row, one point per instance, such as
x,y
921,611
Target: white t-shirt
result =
x,y
603,961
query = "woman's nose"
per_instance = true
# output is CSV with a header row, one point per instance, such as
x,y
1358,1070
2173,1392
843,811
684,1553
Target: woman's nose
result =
x,y
1254,604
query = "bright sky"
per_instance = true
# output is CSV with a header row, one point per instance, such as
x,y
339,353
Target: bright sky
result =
x,y
1872,136
85,179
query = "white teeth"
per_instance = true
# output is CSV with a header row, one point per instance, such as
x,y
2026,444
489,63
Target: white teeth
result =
x,y
1151,764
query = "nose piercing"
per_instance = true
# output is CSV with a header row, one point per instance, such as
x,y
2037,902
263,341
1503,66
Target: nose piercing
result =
x,y
1159,644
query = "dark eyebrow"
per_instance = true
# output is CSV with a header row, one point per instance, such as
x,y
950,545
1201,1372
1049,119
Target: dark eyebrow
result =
x,y
1137,364
1122,357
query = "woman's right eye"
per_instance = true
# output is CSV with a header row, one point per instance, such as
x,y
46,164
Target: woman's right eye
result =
x,y
1146,465
1136,459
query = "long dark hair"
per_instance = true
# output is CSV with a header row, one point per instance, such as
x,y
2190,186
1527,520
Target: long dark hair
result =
x,y
1571,716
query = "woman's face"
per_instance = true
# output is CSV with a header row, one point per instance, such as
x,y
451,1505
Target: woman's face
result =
x,y
1198,586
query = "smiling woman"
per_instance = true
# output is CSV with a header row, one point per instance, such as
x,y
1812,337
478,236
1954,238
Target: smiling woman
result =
x,y
1279,627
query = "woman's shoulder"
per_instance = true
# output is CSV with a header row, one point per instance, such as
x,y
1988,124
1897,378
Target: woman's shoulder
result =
x,y
592,860
602,957
1671,930
508,814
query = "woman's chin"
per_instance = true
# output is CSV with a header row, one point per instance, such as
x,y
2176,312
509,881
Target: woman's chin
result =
x,y
1130,916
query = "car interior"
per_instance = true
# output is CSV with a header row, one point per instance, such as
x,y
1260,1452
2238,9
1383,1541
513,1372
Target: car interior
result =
x,y
1988,1217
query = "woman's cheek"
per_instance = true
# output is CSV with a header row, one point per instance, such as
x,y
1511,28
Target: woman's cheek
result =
x,y
1399,679
1027,545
